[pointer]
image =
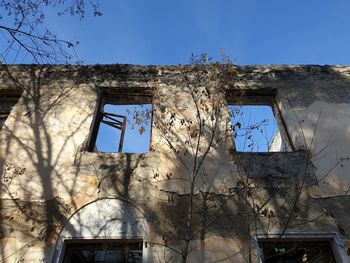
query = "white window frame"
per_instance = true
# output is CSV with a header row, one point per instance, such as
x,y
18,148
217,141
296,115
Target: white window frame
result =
x,y
101,220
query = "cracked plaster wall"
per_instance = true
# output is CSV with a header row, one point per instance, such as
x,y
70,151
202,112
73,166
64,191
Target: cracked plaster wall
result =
x,y
48,176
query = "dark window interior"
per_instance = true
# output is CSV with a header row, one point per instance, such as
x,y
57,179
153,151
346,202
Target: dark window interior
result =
x,y
6,105
123,251
122,124
297,252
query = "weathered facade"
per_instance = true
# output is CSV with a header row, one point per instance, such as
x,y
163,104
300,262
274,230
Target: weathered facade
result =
x,y
192,196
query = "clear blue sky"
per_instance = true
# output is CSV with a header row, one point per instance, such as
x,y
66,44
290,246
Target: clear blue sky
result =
x,y
249,31
257,127
135,140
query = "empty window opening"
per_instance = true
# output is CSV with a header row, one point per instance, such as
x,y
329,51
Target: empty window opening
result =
x,y
256,123
296,252
6,106
123,251
254,127
122,127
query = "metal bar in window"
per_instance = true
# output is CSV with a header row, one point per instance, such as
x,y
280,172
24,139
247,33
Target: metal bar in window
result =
x,y
115,120
120,125
113,124
113,114
122,135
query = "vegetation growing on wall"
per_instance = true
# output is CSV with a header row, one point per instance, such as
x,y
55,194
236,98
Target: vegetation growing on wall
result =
x,y
268,193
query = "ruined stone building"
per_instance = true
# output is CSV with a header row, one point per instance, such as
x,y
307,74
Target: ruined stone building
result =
x,y
78,185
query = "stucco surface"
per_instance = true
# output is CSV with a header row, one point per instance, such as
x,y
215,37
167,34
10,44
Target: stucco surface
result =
x,y
48,177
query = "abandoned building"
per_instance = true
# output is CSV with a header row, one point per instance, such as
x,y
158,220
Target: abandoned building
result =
x,y
196,163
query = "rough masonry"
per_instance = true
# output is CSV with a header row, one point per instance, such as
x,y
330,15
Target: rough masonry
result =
x,y
193,190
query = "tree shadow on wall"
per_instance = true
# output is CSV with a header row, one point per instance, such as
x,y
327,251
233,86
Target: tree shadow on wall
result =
x,y
38,143
272,200
194,200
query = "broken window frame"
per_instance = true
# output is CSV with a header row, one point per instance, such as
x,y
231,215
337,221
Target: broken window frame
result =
x,y
96,244
118,97
113,122
262,98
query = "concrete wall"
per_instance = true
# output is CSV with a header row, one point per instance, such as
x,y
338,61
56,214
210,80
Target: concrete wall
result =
x,y
50,183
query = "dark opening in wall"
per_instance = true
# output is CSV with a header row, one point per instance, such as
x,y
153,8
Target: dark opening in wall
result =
x,y
256,124
106,251
122,124
296,252
6,105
